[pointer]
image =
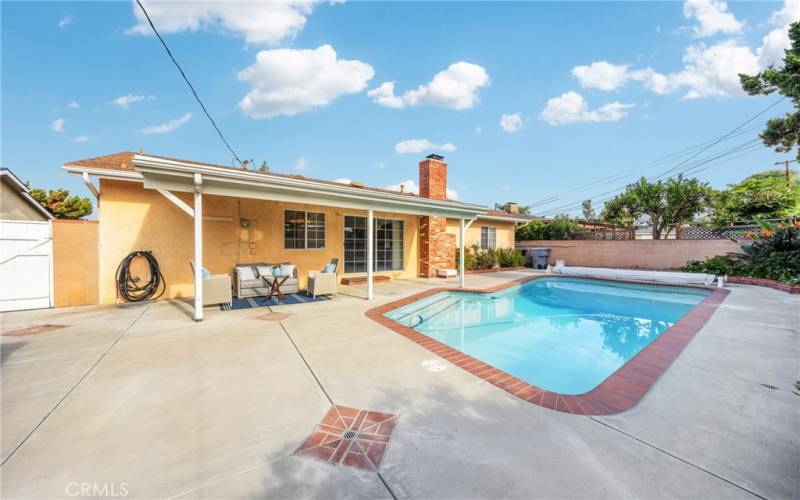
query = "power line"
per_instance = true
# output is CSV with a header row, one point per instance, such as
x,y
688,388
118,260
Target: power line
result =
x,y
724,136
695,167
186,79
642,168
713,142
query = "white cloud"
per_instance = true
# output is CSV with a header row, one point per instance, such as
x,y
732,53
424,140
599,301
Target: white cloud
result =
x,y
478,130
67,19
511,123
289,81
422,145
571,107
73,105
410,186
601,75
712,17
57,125
125,101
302,165
454,88
776,41
710,71
80,138
384,95
262,22
380,165
169,126
343,180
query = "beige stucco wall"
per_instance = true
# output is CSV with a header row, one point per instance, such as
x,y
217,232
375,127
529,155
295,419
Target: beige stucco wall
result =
x,y
75,262
133,218
633,254
505,232
15,207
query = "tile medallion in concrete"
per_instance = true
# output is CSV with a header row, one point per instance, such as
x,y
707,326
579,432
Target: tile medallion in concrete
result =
x,y
349,436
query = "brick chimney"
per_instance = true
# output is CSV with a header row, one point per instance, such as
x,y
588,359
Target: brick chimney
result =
x,y
433,177
437,247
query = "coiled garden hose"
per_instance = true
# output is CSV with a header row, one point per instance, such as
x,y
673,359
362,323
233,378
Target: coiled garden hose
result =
x,y
130,287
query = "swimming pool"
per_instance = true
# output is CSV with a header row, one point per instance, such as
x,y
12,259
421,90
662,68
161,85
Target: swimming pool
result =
x,y
564,335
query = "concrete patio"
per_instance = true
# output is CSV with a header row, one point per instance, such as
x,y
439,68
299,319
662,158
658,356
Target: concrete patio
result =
x,y
141,399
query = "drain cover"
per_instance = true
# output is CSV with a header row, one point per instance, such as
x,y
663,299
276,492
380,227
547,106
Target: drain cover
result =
x,y
770,386
351,434
434,365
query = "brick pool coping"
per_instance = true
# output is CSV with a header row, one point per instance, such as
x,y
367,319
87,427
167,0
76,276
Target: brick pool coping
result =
x,y
622,390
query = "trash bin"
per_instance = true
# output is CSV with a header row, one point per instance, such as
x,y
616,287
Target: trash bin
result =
x,y
540,256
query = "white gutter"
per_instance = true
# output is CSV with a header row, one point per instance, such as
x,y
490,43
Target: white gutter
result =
x,y
147,164
503,219
103,173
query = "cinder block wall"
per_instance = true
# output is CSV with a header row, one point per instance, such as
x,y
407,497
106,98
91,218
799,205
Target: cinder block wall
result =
x,y
633,254
75,262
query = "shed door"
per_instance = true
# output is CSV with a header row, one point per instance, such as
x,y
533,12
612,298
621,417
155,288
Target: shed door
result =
x,y
26,249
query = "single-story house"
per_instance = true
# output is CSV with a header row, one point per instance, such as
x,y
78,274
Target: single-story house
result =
x,y
184,211
16,202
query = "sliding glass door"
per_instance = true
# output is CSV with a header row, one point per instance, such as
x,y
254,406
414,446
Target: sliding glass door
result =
x,y
388,244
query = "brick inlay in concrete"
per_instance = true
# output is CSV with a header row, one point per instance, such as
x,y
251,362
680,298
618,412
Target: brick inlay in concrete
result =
x,y
33,330
273,316
349,436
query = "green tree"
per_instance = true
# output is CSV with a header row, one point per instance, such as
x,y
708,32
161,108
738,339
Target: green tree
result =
x,y
766,195
665,204
63,206
589,214
783,133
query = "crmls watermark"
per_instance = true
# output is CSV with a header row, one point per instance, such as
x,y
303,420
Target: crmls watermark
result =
x,y
94,489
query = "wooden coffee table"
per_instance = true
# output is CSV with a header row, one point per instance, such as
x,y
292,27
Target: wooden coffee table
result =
x,y
275,287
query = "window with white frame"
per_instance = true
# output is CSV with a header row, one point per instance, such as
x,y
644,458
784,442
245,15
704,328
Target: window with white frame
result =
x,y
303,229
488,238
388,244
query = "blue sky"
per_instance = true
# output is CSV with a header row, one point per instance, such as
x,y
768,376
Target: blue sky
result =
x,y
588,90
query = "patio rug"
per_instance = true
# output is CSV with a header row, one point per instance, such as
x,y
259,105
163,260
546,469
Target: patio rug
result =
x,y
288,298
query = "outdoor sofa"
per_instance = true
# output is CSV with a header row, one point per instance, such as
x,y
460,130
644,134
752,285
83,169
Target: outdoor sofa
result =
x,y
255,280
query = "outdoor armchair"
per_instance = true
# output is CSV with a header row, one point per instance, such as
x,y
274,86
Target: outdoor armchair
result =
x,y
216,287
323,282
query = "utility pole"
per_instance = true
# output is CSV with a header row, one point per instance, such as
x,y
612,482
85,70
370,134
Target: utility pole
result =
x,y
788,171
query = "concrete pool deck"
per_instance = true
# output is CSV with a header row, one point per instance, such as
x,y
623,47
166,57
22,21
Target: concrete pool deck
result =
x,y
141,399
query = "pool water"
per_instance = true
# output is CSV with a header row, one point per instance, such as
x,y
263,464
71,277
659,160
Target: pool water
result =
x,y
565,335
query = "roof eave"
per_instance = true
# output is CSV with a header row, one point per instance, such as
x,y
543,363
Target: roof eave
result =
x,y
145,164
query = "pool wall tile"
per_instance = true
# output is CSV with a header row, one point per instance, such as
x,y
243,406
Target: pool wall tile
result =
x,y
621,391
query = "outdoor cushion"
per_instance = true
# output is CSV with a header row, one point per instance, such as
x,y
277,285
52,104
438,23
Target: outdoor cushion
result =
x,y
246,273
329,268
283,270
264,270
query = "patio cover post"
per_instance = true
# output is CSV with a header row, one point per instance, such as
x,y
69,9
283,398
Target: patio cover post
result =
x,y
370,251
198,247
461,232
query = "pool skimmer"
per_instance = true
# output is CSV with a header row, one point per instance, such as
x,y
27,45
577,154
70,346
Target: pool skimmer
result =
x,y
434,365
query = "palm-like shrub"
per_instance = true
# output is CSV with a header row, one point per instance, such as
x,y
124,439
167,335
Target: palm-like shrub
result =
x,y
774,253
